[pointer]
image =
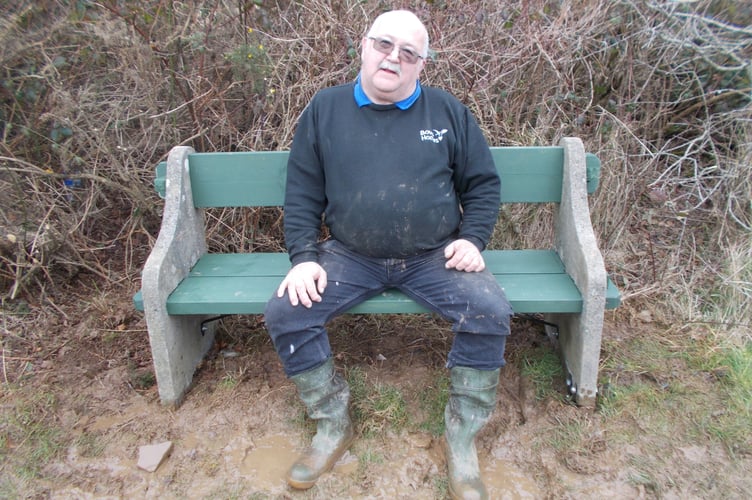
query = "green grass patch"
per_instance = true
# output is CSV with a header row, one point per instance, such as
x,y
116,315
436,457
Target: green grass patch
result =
x,y
375,406
370,456
228,382
732,368
642,474
30,437
441,486
542,367
679,388
567,435
432,402
142,379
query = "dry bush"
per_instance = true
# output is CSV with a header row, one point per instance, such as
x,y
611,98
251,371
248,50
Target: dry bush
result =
x,y
96,94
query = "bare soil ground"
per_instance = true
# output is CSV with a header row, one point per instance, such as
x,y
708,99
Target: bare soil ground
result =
x,y
241,425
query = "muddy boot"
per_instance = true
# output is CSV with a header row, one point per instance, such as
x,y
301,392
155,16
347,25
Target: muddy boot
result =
x,y
472,398
326,396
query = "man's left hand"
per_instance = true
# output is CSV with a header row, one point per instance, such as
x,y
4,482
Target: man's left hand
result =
x,y
462,255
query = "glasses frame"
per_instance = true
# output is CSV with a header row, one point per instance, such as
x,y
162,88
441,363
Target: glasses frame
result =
x,y
386,46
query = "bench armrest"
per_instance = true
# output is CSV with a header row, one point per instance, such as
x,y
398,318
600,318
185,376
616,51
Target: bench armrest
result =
x,y
181,241
575,238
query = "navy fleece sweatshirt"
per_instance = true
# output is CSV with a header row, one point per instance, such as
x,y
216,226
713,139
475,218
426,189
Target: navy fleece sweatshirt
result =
x,y
388,182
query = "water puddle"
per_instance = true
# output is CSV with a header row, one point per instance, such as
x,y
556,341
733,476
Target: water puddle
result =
x,y
271,456
269,460
109,422
507,482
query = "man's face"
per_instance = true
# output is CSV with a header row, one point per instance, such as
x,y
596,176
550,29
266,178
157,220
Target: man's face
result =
x,y
386,78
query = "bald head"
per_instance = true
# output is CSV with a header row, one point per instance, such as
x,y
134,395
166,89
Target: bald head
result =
x,y
403,19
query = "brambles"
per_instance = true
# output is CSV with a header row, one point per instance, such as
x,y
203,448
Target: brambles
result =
x,y
94,94
661,92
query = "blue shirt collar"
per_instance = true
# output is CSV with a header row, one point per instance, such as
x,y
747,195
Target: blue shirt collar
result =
x,y
362,99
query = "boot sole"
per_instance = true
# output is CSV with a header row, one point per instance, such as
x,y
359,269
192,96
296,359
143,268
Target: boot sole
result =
x,y
305,485
453,494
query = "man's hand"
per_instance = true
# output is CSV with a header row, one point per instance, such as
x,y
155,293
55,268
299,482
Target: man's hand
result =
x,y
304,284
462,255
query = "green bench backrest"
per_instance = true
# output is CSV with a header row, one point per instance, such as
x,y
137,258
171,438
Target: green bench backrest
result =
x,y
257,178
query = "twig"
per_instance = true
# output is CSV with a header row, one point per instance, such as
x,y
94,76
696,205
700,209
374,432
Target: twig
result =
x,y
187,103
719,96
57,348
5,367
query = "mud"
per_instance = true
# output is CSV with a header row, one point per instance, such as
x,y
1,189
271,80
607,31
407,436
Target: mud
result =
x,y
241,426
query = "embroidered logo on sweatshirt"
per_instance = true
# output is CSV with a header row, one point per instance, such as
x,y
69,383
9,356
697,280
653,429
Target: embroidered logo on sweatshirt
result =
x,y
433,135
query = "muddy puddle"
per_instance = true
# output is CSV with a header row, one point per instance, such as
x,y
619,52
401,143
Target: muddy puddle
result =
x,y
245,466
240,442
408,473
266,461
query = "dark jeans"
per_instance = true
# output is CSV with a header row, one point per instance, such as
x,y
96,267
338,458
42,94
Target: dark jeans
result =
x,y
473,302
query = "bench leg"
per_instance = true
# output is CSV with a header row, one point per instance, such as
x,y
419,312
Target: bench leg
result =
x,y
177,344
580,334
579,341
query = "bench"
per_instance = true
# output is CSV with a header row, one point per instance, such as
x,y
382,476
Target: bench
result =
x,y
184,287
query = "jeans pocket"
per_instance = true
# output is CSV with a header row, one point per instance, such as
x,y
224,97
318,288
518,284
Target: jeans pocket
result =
x,y
431,257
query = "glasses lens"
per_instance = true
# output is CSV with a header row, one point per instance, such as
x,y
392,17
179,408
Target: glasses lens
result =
x,y
383,45
408,56
387,47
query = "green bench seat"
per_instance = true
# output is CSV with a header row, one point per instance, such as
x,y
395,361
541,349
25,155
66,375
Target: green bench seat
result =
x,y
534,281
183,285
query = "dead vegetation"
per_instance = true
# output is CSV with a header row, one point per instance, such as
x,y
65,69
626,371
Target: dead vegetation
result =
x,y
93,95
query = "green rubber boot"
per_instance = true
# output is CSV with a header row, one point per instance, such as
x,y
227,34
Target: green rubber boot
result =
x,y
472,399
326,396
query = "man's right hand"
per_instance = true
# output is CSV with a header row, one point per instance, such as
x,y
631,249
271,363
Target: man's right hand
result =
x,y
304,283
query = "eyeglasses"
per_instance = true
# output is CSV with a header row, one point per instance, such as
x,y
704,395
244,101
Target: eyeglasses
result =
x,y
386,46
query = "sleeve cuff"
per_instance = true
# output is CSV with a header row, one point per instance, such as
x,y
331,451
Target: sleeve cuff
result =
x,y
304,257
475,241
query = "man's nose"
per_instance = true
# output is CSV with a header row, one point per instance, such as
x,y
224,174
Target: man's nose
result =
x,y
394,54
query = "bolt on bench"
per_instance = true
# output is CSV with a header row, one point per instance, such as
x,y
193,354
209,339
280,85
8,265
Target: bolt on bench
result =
x,y
183,286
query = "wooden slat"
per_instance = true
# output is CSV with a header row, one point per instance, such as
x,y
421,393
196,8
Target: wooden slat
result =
x,y
534,281
238,179
277,264
257,178
243,295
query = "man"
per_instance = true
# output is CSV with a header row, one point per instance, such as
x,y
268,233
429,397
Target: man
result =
x,y
405,182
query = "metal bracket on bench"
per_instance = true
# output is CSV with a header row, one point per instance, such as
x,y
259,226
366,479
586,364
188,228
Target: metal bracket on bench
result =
x,y
572,387
552,328
204,327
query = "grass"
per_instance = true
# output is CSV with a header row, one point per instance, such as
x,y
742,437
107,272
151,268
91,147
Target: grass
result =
x,y
441,486
90,445
732,366
30,437
688,388
542,366
567,434
229,381
375,406
142,379
432,402
370,456
642,474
